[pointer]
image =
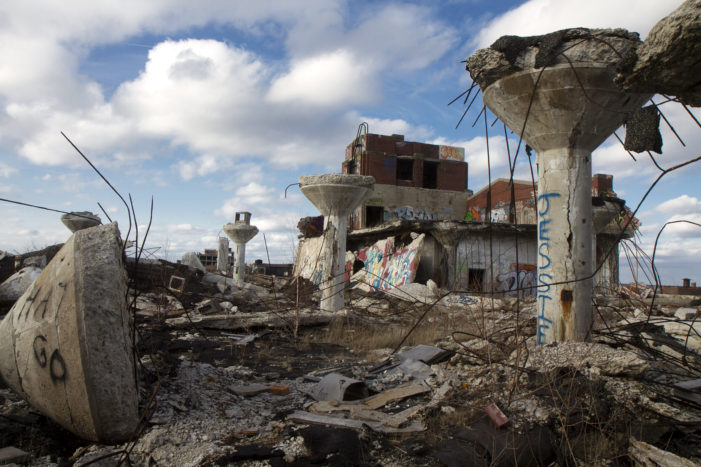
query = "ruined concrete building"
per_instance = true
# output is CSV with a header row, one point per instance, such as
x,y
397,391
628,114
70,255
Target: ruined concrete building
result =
x,y
422,223
413,181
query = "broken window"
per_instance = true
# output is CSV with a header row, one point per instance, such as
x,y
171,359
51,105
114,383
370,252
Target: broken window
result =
x,y
405,169
475,280
374,215
430,174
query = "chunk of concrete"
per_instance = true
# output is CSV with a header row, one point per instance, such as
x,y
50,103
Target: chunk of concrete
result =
x,y
685,313
12,455
18,283
66,346
76,221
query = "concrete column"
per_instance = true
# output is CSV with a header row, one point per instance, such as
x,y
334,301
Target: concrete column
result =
x,y
240,232
335,196
572,106
223,255
564,244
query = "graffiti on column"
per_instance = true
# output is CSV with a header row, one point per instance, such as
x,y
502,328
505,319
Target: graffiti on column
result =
x,y
545,263
519,280
35,307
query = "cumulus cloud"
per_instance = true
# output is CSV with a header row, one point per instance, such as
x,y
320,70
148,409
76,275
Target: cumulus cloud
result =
x,y
543,16
330,79
246,198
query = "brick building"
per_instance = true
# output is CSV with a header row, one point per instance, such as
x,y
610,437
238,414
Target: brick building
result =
x,y
413,181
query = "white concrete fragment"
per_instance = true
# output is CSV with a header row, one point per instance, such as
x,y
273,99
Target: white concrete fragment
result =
x,y
66,346
18,283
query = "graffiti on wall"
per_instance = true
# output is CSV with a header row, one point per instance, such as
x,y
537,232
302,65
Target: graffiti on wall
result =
x,y
451,153
519,280
410,213
475,215
387,267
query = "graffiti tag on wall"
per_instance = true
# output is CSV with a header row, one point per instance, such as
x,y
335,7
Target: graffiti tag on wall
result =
x,y
410,213
519,280
544,263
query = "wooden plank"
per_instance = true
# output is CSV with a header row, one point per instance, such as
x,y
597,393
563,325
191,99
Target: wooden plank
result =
x,y
307,417
372,402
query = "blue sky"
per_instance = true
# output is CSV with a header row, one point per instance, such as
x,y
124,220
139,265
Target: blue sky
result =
x,y
214,107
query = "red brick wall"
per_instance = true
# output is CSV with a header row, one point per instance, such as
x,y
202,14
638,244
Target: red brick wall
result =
x,y
381,166
501,194
452,176
601,184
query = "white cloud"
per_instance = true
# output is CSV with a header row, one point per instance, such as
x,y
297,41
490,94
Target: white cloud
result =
x,y
330,79
6,171
680,205
246,198
543,16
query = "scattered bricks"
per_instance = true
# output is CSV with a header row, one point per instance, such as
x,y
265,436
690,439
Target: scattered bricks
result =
x,y
496,415
12,455
279,390
249,389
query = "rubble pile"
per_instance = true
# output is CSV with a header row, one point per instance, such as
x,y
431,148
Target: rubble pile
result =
x,y
255,374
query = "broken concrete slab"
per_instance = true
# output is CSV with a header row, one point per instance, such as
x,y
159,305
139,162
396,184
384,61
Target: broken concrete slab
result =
x,y
425,353
12,455
246,321
646,455
66,346
685,313
76,221
306,417
18,283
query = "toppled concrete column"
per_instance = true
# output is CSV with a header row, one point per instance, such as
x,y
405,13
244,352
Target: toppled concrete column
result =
x,y
66,345
561,86
76,221
223,255
240,232
335,196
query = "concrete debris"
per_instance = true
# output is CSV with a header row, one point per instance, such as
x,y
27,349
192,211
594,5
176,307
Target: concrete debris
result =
x,y
76,221
667,62
227,372
12,455
65,345
311,226
646,455
510,54
643,131
336,387
18,283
